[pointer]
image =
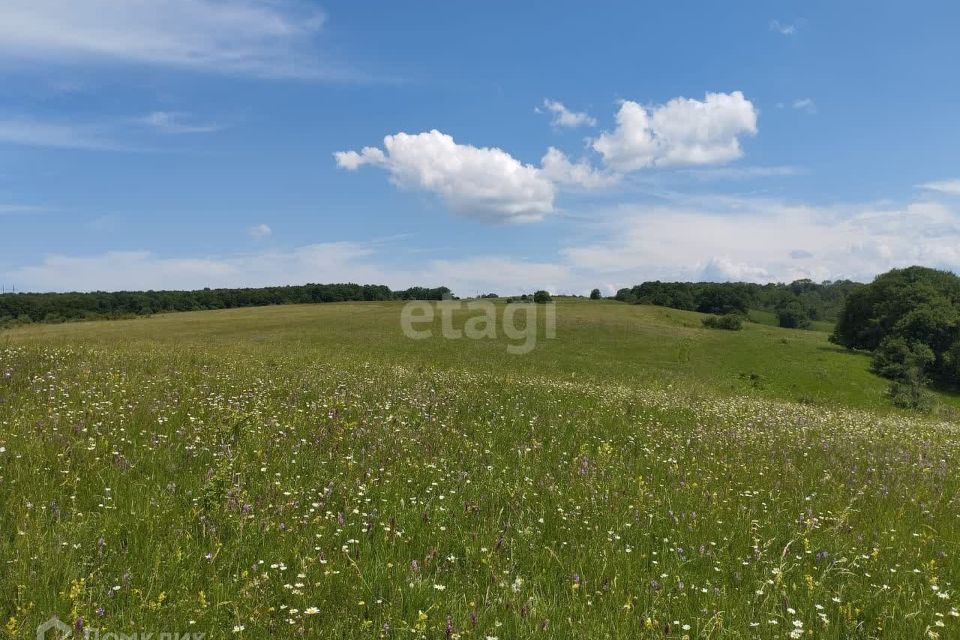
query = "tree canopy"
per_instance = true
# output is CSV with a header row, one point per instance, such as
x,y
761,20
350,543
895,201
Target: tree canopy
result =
x,y
795,304
910,319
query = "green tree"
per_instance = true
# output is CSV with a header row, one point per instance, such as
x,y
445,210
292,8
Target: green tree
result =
x,y
541,297
595,294
910,319
793,316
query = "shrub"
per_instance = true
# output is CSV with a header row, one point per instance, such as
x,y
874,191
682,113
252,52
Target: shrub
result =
x,y
912,394
792,316
899,359
730,322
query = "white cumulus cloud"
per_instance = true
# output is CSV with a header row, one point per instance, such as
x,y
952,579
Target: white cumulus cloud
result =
x,y
563,117
484,182
558,168
681,132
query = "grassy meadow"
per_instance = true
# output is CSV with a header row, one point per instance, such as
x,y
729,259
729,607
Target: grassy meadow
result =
x,y
309,472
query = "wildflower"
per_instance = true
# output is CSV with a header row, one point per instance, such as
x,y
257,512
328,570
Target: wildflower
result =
x,y
311,611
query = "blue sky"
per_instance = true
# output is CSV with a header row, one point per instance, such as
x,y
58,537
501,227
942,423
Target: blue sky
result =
x,y
484,146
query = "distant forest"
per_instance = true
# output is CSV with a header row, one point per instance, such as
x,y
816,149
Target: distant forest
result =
x,y
795,304
23,308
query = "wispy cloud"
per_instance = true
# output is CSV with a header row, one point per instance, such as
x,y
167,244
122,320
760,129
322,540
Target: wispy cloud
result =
x,y
260,232
107,134
949,187
806,105
705,237
763,239
274,39
741,172
785,28
140,270
177,122
12,209
37,133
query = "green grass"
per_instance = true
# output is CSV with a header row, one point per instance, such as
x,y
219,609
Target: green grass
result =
x,y
597,341
637,476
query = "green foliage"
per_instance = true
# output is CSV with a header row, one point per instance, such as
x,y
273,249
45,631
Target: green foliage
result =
x,y
729,322
910,318
898,358
912,394
595,294
542,297
792,316
823,301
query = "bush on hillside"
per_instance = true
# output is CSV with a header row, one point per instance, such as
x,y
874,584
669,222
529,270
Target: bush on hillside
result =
x,y
792,316
912,395
729,322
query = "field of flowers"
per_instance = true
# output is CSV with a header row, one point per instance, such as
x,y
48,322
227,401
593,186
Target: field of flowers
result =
x,y
271,493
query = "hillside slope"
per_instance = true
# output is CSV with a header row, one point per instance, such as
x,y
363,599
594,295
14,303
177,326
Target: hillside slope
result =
x,y
602,341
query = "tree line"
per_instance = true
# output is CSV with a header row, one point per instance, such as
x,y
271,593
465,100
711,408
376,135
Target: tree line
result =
x,y
796,304
21,308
